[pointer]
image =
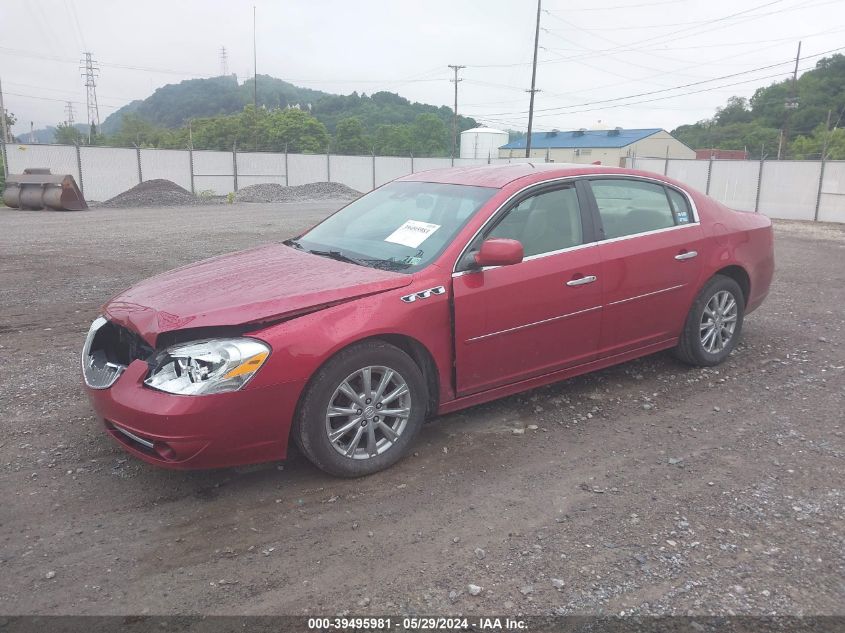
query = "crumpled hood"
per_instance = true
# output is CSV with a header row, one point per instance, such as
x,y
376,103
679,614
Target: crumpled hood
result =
x,y
261,284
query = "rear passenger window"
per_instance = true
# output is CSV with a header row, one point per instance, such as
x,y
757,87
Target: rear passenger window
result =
x,y
680,206
628,207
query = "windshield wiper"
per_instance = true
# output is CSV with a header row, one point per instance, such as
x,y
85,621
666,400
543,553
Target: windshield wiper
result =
x,y
294,243
337,255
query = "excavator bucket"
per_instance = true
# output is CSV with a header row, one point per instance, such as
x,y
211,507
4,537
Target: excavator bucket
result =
x,y
39,189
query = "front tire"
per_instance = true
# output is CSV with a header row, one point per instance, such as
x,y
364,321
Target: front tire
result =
x,y
714,323
362,410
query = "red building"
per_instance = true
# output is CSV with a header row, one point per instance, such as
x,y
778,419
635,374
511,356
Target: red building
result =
x,y
721,154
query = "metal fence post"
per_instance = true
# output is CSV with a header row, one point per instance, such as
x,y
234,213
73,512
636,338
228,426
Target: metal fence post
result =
x,y
138,155
666,163
759,186
374,166
79,169
191,167
286,165
235,164
452,156
328,162
709,172
411,152
821,184
3,155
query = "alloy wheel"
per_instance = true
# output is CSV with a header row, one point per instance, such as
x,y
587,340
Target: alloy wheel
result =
x,y
718,322
368,412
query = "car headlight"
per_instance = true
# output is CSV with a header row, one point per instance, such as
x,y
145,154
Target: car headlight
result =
x,y
208,366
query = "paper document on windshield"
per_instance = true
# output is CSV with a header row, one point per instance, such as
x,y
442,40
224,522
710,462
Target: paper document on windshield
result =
x,y
412,233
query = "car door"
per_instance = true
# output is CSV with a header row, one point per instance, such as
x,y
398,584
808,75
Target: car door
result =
x,y
650,248
523,320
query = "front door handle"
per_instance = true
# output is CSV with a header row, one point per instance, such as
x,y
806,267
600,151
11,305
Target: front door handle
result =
x,y
580,281
686,255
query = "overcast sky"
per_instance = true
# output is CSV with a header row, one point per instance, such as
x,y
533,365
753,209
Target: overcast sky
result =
x,y
591,51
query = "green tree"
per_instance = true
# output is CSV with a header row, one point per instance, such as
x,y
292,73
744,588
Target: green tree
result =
x,y
392,140
296,129
429,136
810,147
67,134
350,137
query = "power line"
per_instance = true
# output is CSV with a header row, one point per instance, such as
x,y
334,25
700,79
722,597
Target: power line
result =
x,y
679,87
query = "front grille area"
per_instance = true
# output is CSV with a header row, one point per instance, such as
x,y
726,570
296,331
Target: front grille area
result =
x,y
108,350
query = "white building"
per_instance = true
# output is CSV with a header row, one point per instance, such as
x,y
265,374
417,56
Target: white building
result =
x,y
482,142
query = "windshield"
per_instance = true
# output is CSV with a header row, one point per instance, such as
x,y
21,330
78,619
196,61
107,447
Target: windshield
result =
x,y
402,226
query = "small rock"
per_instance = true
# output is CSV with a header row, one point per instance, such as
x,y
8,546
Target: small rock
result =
x,y
526,590
558,584
716,409
474,590
671,542
480,553
453,595
457,539
533,427
518,431
675,460
364,602
50,575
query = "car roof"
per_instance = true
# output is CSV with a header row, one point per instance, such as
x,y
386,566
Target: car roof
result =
x,y
498,176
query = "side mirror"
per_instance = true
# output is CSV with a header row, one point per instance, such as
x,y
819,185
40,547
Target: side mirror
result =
x,y
499,252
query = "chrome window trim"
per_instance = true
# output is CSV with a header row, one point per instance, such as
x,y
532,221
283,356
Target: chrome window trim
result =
x,y
690,201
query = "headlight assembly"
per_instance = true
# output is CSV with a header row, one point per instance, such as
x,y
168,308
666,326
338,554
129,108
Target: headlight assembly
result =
x,y
208,366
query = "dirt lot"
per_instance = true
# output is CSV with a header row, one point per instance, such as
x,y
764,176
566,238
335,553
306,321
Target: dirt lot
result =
x,y
647,488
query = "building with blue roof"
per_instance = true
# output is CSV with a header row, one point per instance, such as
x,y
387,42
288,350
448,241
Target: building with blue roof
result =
x,y
607,146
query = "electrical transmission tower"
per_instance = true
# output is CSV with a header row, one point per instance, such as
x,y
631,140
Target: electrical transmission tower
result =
x,y
224,62
69,113
90,73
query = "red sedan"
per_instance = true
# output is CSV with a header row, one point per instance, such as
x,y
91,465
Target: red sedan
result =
x,y
435,292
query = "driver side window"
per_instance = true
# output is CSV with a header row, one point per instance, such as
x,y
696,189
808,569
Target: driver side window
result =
x,y
543,223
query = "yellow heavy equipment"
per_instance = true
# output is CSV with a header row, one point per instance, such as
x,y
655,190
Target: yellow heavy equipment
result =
x,y
37,188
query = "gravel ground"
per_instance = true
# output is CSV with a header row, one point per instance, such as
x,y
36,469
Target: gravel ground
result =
x,y
647,488
271,192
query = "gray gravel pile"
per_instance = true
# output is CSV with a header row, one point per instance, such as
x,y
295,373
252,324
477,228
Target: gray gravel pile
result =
x,y
155,193
272,192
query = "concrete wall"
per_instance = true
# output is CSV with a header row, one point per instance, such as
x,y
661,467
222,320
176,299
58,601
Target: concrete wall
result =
x,y
785,189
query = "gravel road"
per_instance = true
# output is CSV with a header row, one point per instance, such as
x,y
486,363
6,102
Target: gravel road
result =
x,y
647,488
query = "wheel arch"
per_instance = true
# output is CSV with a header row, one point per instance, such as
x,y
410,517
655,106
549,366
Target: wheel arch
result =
x,y
418,352
740,276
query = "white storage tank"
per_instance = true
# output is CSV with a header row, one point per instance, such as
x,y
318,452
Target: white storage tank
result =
x,y
482,142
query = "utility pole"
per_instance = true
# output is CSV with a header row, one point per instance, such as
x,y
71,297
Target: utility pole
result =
x,y
791,104
91,70
4,134
455,119
255,78
533,83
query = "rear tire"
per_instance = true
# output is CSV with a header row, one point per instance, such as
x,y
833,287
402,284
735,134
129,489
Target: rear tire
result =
x,y
362,410
714,323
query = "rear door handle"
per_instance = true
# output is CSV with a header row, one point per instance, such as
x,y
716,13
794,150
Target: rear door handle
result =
x,y
581,281
686,255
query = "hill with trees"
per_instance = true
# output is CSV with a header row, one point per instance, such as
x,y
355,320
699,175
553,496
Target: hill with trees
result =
x,y
754,124
217,113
